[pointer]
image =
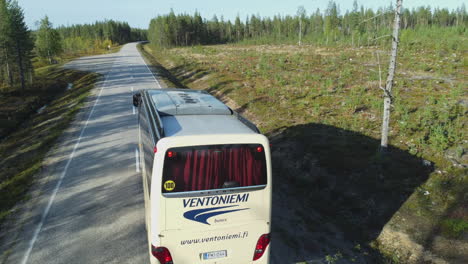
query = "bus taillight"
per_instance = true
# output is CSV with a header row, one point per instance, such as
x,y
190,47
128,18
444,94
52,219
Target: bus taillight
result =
x,y
162,254
261,246
170,154
259,149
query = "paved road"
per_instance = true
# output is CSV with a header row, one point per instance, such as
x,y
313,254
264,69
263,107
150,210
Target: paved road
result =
x,y
91,209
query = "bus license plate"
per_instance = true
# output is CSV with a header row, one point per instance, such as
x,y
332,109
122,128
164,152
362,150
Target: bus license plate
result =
x,y
215,254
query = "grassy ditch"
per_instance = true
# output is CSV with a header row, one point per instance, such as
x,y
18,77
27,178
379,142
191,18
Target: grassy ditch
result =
x,y
321,108
25,146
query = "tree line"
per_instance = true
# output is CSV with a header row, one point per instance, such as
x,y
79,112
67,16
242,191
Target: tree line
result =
x,y
98,35
359,26
19,46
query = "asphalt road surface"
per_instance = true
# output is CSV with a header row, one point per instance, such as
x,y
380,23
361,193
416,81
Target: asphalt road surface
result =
x,y
91,209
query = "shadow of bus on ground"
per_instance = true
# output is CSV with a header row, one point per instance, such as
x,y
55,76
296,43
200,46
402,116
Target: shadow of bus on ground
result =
x,y
333,193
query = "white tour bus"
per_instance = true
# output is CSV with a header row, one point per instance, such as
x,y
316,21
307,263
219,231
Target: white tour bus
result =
x,y
206,180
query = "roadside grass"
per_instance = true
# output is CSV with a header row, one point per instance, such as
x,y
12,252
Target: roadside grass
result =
x,y
326,104
68,56
24,149
335,87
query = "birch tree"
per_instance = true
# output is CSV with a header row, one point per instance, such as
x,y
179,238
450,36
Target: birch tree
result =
x,y
391,74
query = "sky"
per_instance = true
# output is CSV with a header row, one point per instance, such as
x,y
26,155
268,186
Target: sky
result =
x,y
138,13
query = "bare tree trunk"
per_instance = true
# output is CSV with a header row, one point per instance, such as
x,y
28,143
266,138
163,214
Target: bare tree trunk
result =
x,y
300,31
30,76
20,65
9,73
390,76
9,77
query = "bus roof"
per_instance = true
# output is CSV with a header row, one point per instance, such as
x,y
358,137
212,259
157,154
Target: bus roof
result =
x,y
185,112
187,102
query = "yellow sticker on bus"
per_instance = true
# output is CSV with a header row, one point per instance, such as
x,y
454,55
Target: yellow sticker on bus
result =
x,y
169,185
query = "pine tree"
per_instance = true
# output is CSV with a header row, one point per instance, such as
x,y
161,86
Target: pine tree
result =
x,y
48,40
21,42
331,20
238,28
15,45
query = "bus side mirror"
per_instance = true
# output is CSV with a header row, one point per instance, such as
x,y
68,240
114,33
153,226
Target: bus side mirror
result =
x,y
136,99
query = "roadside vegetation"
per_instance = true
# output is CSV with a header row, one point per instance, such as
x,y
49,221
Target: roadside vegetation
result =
x,y
320,104
24,149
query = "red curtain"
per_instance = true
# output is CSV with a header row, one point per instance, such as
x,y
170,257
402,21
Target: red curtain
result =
x,y
210,168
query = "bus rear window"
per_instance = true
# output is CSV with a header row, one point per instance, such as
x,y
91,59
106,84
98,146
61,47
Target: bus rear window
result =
x,y
199,168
